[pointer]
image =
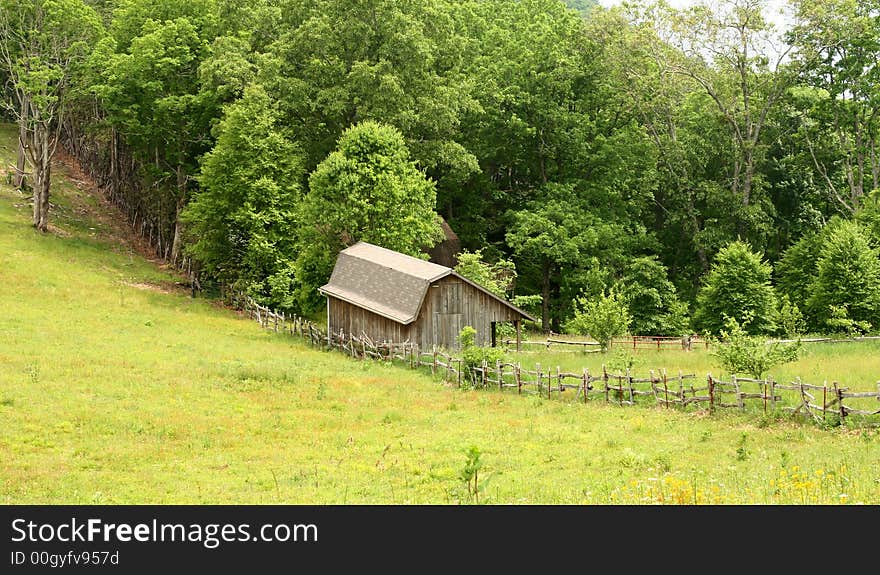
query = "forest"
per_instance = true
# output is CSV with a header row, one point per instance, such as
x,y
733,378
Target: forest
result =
x,y
690,166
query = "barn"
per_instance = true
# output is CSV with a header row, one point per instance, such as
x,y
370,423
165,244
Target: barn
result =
x,y
390,296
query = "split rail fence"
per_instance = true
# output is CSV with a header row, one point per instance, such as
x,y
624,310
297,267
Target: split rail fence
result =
x,y
823,404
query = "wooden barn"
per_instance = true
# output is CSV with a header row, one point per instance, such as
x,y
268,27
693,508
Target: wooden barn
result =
x,y
390,296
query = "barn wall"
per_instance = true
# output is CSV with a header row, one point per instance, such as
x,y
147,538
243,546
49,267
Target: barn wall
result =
x,y
449,305
352,319
452,304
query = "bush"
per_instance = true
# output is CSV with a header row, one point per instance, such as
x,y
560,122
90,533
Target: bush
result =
x,y
741,353
737,286
602,318
790,320
474,355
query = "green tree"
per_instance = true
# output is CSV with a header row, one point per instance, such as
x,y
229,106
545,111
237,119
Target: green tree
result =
x,y
837,45
737,286
241,223
151,94
847,275
367,190
795,270
42,45
497,277
732,51
652,300
603,318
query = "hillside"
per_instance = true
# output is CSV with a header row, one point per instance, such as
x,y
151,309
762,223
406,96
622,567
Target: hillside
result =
x,y
117,387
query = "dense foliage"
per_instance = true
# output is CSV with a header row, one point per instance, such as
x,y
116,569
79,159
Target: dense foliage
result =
x,y
628,148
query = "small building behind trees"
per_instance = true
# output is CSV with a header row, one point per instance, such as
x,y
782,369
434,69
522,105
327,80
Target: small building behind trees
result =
x,y
390,296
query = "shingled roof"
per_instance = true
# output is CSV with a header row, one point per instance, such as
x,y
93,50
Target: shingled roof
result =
x,y
389,283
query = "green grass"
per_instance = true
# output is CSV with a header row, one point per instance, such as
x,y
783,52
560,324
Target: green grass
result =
x,y
111,393
853,364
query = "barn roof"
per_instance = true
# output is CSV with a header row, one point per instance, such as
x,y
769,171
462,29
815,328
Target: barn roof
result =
x,y
389,283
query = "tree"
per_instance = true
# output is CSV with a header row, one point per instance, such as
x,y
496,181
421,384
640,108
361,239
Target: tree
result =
x,y
734,54
367,190
795,270
42,44
652,300
566,244
603,318
241,223
847,275
738,287
497,277
150,92
838,44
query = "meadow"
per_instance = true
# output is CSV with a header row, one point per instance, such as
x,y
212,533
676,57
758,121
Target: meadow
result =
x,y
116,386
854,364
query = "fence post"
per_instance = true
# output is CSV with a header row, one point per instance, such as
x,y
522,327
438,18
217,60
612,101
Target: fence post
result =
x,y
459,372
586,382
665,390
765,396
434,361
629,382
739,399
558,379
518,374
485,368
499,371
839,393
773,395
711,383
605,381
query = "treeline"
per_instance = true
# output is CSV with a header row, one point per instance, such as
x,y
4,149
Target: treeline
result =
x,y
679,159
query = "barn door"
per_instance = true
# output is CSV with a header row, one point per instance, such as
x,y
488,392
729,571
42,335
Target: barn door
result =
x,y
448,318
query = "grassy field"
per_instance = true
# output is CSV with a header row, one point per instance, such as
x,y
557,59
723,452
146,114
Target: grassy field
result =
x,y
853,364
117,387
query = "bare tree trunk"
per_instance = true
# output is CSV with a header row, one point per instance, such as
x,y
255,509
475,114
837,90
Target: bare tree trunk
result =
x,y
181,198
40,158
545,298
20,160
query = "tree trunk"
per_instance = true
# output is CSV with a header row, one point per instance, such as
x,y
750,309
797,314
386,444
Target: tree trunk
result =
x,y
40,160
545,297
20,160
181,199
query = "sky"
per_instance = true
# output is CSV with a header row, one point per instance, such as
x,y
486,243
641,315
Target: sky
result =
x,y
772,13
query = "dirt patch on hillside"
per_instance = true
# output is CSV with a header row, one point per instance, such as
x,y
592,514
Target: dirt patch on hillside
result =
x,y
113,225
168,287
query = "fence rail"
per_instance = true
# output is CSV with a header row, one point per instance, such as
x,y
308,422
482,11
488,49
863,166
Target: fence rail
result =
x,y
822,404
630,342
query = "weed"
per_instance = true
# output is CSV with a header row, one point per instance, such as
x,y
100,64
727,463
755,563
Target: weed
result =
x,y
470,473
741,452
33,372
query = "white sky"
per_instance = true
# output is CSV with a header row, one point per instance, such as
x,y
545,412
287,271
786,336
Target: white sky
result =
x,y
773,13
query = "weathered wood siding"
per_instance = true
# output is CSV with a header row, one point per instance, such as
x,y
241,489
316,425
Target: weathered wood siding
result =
x,y
449,305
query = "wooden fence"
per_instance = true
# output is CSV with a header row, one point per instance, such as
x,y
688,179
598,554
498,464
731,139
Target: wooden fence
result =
x,y
635,342
623,388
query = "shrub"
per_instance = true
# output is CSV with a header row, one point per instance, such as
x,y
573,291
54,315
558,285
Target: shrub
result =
x,y
474,355
790,320
602,318
741,353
